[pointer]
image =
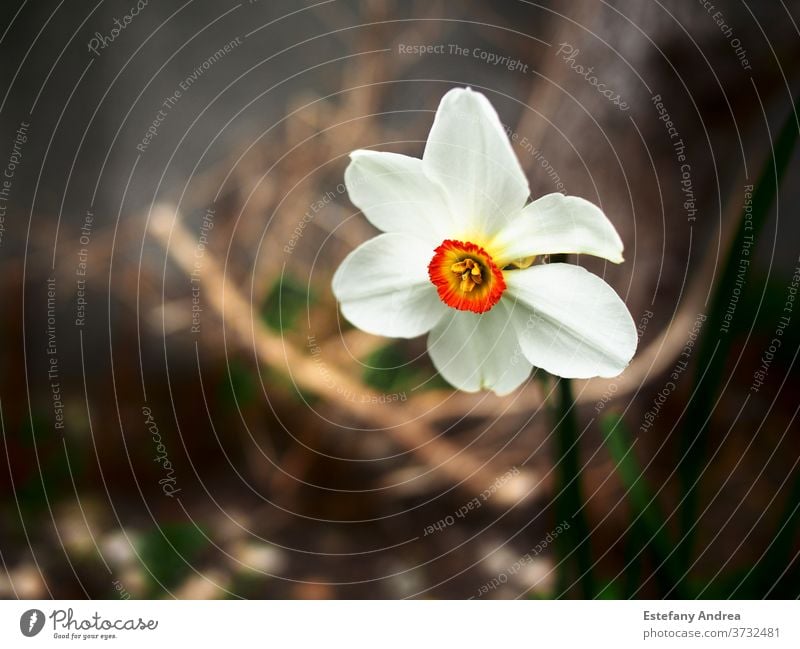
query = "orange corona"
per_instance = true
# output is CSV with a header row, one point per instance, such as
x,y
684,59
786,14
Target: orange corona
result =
x,y
465,276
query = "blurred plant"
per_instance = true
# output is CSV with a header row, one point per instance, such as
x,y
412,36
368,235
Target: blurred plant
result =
x,y
168,553
713,347
648,530
287,300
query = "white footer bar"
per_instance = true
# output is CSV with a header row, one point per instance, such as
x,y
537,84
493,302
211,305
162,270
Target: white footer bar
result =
x,y
385,624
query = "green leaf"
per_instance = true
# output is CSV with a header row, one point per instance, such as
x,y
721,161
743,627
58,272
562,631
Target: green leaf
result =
x,y
610,590
714,345
241,386
641,498
58,465
773,575
287,300
169,551
388,370
386,367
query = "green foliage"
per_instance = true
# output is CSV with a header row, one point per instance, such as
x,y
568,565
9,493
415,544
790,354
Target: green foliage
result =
x,y
168,553
643,504
768,302
59,464
610,590
287,300
241,387
773,575
714,345
388,369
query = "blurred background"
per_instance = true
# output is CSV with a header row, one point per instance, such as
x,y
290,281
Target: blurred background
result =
x,y
184,411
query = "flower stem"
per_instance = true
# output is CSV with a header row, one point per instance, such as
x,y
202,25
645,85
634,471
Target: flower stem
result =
x,y
569,500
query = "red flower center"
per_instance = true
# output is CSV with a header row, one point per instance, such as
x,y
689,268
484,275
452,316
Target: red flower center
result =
x,y
465,276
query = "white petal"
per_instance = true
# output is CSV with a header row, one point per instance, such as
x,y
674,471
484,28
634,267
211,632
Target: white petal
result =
x,y
396,196
570,322
558,224
469,154
384,289
478,351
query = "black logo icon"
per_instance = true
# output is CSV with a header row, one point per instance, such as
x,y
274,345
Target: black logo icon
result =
x,y
31,622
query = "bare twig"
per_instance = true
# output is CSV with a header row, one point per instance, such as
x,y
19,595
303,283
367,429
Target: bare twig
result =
x,y
403,423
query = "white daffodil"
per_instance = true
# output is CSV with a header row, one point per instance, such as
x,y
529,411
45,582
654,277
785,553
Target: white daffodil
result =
x,y
455,260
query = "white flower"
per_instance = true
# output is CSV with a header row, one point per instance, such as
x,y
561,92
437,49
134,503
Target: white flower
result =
x,y
455,257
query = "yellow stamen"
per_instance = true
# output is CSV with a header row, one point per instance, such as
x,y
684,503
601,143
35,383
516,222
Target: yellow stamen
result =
x,y
470,272
465,276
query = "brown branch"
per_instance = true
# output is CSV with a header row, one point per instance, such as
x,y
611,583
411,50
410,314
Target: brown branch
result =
x,y
403,423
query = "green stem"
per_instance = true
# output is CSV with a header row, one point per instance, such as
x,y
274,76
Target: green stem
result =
x,y
569,501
